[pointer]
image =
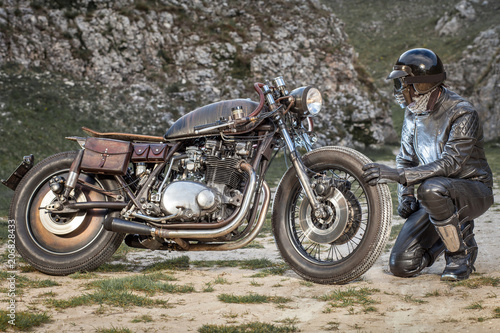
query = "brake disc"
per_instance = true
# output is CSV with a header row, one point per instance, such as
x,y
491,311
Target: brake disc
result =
x,y
325,231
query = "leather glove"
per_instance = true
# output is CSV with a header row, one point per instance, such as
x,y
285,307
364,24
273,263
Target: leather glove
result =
x,y
407,206
375,173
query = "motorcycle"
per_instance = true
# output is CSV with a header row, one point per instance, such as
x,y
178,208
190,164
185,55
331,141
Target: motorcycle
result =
x,y
201,187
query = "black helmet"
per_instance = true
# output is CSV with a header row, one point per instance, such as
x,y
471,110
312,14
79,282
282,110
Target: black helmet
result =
x,y
420,67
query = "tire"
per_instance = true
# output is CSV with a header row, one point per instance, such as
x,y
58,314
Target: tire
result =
x,y
61,244
342,249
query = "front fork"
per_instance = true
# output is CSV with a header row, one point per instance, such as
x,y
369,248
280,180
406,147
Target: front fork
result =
x,y
318,207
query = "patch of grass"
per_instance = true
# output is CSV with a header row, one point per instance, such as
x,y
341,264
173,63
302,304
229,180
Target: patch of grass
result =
x,y
123,299
146,283
255,283
142,319
117,292
180,263
42,283
83,275
478,282
256,327
434,293
221,280
25,282
475,306
47,294
450,320
252,299
209,288
113,330
114,268
350,297
27,269
277,270
332,326
24,320
367,309
496,312
411,299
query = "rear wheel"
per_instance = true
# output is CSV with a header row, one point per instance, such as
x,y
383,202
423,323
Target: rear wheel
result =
x,y
341,247
61,243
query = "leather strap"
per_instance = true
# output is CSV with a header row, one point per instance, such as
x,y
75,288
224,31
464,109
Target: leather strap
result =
x,y
426,78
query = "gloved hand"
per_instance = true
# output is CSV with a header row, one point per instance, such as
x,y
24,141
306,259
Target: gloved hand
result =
x,y
407,206
375,173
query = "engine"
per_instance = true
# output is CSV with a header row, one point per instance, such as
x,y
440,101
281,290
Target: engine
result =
x,y
206,183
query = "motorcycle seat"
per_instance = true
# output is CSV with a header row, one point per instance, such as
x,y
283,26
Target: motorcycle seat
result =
x,y
123,136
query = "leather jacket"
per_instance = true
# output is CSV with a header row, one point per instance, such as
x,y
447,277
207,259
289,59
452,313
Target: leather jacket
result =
x,y
445,142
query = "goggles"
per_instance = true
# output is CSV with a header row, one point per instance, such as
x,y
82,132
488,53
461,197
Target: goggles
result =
x,y
402,77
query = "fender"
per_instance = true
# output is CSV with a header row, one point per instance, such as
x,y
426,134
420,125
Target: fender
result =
x,y
18,174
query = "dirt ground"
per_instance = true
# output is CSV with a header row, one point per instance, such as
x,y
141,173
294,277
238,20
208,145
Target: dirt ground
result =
x,y
419,304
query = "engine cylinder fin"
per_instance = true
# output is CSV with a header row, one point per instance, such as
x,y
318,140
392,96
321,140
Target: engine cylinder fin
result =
x,y
224,171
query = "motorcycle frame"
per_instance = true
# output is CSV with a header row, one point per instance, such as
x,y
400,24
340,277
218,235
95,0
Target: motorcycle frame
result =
x,y
205,231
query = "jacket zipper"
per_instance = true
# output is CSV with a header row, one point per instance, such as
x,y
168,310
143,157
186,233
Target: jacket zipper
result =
x,y
415,142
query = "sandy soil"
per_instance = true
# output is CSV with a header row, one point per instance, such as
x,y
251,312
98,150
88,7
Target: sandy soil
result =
x,y
419,304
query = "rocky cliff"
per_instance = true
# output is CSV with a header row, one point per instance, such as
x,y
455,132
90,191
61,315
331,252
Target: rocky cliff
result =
x,y
477,76
148,62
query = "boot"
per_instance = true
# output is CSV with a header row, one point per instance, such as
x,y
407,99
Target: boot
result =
x,y
461,247
459,265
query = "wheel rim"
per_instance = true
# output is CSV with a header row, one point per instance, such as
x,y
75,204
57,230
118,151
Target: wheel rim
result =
x,y
60,224
335,242
68,233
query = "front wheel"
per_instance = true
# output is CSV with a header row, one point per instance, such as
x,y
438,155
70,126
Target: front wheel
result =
x,y
343,246
56,243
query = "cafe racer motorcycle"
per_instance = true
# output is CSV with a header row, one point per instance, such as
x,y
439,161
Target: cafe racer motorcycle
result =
x,y
202,187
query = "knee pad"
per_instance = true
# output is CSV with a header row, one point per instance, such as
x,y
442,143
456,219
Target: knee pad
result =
x,y
408,264
434,196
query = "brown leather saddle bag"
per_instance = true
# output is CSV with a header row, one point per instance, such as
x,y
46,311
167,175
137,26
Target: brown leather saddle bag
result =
x,y
150,152
106,156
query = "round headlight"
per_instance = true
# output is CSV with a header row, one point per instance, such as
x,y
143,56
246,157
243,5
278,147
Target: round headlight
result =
x,y
308,101
314,101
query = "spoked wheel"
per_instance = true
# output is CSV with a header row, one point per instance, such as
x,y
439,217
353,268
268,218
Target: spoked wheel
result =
x,y
61,243
342,245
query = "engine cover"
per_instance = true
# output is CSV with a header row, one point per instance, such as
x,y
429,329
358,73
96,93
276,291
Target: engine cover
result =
x,y
189,199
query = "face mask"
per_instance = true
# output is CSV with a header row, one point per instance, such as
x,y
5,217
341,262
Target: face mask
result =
x,y
420,103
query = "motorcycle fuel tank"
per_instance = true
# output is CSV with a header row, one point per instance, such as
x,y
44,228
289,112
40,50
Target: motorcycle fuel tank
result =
x,y
208,114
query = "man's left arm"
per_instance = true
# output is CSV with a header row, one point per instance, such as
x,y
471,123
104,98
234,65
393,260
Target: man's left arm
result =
x,y
456,152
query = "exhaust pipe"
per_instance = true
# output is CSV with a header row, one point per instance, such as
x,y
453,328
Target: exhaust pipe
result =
x,y
226,229
128,227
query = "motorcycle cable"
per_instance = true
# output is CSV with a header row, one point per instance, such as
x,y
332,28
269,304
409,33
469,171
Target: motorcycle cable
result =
x,y
248,138
126,185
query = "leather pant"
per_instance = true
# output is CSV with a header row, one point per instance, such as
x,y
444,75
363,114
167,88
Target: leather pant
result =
x,y
418,244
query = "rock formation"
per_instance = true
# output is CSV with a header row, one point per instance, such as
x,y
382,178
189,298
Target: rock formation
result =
x,y
152,61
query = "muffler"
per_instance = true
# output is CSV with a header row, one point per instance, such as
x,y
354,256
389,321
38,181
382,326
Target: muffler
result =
x,y
128,227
